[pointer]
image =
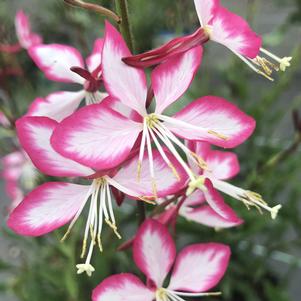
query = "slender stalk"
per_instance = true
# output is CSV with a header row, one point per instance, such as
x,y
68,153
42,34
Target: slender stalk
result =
x,y
124,26
283,155
125,29
94,7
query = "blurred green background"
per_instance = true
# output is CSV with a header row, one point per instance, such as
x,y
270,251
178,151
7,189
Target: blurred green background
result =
x,y
266,261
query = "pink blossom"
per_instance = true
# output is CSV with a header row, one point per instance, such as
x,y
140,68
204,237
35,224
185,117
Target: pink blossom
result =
x,y
221,166
63,63
101,137
43,210
224,27
18,174
26,38
196,269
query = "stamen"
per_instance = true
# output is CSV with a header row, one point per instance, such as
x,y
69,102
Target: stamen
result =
x,y
141,151
77,215
251,64
198,160
163,155
151,164
283,62
218,135
249,198
184,294
160,133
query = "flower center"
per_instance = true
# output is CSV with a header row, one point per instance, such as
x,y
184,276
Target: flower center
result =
x,y
154,130
208,29
198,183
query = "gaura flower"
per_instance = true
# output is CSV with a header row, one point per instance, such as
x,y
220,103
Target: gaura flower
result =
x,y
55,204
101,137
222,26
196,269
65,64
26,38
19,175
221,166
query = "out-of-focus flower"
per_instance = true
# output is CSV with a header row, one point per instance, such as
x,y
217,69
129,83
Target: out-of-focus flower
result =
x,y
221,166
63,63
196,269
222,26
26,38
101,137
55,204
19,176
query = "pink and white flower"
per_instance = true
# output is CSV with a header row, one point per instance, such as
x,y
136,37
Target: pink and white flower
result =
x,y
221,166
197,269
26,38
63,63
19,175
101,138
222,26
55,204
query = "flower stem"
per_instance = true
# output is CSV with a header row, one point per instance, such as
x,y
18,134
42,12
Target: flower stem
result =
x,y
124,26
94,7
125,29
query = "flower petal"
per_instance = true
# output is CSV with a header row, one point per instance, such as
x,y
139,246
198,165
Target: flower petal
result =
x,y
166,181
222,165
57,105
55,60
154,251
217,203
171,79
130,84
205,10
34,135
200,267
235,33
205,215
94,59
125,287
47,208
195,198
214,116
96,136
25,36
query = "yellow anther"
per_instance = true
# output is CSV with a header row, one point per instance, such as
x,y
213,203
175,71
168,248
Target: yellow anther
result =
x,y
218,135
99,243
154,188
174,171
201,162
114,228
148,199
84,248
139,170
93,235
